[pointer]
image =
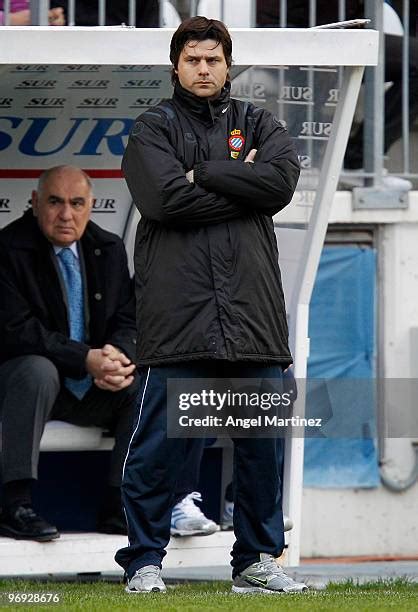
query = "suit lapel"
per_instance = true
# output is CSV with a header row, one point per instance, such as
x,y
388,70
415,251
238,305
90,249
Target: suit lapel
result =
x,y
52,287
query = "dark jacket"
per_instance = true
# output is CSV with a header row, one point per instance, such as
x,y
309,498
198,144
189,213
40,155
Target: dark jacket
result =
x,y
33,313
207,277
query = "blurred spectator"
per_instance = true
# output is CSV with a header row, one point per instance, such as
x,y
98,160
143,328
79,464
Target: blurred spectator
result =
x,y
87,13
268,15
20,14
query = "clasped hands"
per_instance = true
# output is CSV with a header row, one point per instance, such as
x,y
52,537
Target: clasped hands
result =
x,y
110,369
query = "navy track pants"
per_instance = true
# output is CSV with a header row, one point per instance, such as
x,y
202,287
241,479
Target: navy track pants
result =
x,y
154,464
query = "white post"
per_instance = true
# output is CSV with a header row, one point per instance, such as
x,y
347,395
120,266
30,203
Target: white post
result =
x,y
305,278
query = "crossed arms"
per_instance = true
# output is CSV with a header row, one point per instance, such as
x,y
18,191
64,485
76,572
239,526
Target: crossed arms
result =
x,y
221,190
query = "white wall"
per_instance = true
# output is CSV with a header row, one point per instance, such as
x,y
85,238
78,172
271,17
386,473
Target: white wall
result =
x,y
351,522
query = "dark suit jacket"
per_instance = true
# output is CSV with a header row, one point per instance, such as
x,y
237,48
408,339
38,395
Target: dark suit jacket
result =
x,y
33,312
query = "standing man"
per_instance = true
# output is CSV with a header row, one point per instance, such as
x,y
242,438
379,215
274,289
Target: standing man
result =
x,y
67,324
207,173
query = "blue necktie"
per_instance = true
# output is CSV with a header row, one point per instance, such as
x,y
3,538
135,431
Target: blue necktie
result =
x,y
74,286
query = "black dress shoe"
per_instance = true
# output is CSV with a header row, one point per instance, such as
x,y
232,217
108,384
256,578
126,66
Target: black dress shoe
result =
x,y
24,524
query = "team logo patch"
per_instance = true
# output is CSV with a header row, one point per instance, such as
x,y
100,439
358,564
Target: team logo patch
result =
x,y
236,143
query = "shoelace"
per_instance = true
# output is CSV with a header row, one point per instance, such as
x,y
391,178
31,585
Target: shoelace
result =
x,y
149,571
270,566
28,513
187,504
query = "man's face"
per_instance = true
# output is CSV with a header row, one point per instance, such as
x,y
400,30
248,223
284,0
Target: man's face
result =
x,y
63,206
202,68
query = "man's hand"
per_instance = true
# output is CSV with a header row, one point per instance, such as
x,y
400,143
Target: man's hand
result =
x,y
118,370
114,383
250,157
114,354
111,369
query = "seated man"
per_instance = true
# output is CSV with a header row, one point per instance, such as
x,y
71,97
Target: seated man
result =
x,y
67,325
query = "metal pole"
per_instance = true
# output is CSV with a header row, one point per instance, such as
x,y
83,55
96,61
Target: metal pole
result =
x,y
6,12
253,13
304,282
282,24
161,22
193,7
222,11
71,12
283,13
102,12
132,13
312,13
39,12
405,88
311,83
341,10
341,17
374,104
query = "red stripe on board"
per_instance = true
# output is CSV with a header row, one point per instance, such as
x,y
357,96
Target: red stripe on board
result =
x,y
16,173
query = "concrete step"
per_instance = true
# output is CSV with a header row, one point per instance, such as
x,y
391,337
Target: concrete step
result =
x,y
75,553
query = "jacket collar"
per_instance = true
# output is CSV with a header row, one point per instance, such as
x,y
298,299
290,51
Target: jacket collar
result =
x,y
202,108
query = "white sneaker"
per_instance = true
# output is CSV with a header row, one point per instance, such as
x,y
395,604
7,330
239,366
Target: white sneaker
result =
x,y
146,580
227,516
287,523
188,520
266,576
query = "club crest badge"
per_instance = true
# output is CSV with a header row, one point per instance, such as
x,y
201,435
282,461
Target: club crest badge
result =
x,y
236,143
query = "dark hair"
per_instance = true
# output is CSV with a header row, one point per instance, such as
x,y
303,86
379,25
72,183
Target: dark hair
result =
x,y
199,28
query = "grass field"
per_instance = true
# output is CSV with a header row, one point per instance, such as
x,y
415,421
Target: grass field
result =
x,y
103,596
